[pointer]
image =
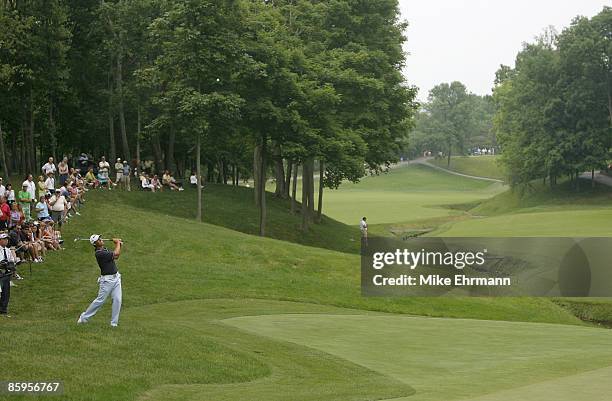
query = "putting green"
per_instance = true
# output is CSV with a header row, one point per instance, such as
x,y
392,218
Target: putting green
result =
x,y
456,359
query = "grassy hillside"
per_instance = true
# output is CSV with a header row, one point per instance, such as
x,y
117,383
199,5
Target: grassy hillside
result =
x,y
234,208
479,166
539,211
180,279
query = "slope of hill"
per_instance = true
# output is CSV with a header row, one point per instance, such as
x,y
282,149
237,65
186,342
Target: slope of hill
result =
x,y
180,280
479,166
234,208
539,211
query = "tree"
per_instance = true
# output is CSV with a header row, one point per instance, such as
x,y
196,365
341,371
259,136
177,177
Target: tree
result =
x,y
199,49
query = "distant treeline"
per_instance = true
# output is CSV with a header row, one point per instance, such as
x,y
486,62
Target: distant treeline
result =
x,y
554,109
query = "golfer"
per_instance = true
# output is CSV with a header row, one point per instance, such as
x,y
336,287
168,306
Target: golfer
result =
x,y
109,280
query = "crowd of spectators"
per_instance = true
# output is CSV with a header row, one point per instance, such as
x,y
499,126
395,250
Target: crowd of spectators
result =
x,y
33,214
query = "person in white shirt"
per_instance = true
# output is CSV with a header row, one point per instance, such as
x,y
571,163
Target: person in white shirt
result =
x,y
58,204
2,189
363,227
193,180
31,186
103,166
49,167
119,170
50,183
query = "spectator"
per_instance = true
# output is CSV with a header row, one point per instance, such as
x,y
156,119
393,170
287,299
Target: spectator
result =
x,y
17,217
42,187
25,201
91,179
103,166
42,209
103,179
126,175
50,183
118,170
156,183
168,179
58,205
38,246
193,180
49,236
10,194
49,167
31,186
63,170
145,183
2,188
5,214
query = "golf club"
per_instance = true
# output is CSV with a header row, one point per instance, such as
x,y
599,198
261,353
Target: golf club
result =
x,y
87,239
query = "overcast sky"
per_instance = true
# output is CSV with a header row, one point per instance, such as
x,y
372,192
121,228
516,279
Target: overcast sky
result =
x,y
467,40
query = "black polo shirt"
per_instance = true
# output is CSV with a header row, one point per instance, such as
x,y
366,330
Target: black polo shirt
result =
x,y
106,261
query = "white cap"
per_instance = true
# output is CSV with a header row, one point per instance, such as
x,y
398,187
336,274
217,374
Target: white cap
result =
x,y
118,159
94,238
3,235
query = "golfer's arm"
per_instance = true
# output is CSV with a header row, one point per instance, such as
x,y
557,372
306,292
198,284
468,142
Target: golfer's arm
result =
x,y
117,251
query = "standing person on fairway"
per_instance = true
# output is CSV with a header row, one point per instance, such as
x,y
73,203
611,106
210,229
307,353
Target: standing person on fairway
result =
x,y
363,227
109,280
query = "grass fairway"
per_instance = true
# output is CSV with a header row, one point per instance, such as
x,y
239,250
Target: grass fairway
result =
x,y
444,359
181,281
404,194
479,166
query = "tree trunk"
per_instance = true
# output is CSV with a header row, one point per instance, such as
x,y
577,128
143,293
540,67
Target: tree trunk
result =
x,y
15,159
210,172
305,196
157,153
311,204
262,183
24,145
288,179
31,162
170,163
222,173
294,189
138,128
450,147
111,120
52,128
321,186
3,156
257,173
199,174
119,84
592,178
279,171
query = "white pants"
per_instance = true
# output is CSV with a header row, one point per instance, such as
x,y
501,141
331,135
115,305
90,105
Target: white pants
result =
x,y
109,285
